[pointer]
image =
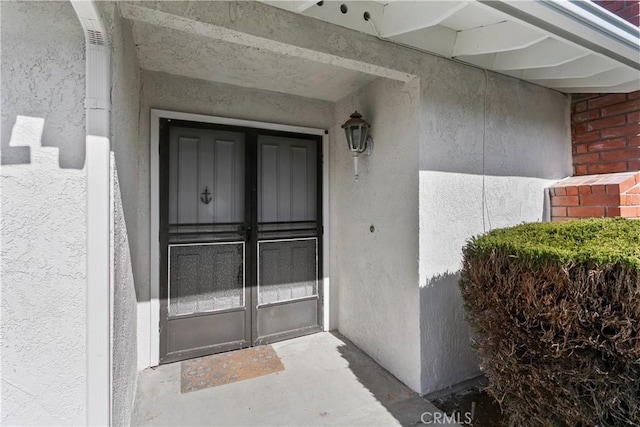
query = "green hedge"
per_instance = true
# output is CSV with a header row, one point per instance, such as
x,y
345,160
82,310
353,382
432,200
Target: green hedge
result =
x,y
556,310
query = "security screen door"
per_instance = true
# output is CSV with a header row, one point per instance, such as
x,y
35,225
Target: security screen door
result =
x,y
240,235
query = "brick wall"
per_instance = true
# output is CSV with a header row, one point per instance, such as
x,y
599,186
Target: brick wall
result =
x,y
626,9
608,195
605,133
605,136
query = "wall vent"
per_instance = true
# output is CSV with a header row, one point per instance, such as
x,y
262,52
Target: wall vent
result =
x,y
95,37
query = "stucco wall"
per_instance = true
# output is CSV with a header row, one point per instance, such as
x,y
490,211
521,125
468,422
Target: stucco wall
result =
x,y
43,215
456,177
478,171
168,92
376,272
123,332
125,115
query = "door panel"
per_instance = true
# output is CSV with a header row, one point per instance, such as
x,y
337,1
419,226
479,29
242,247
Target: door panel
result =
x,y
204,298
287,296
241,238
287,185
206,160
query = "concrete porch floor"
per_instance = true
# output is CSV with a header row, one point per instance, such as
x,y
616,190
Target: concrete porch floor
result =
x,y
326,381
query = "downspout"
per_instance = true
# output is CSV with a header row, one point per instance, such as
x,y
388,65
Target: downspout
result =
x,y
97,101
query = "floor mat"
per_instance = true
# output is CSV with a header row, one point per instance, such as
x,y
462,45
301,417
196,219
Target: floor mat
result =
x,y
225,368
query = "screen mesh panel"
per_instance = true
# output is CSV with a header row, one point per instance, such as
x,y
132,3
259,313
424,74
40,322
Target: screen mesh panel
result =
x,y
288,270
205,278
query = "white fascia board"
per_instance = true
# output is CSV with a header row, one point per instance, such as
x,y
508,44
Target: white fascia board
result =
x,y
580,22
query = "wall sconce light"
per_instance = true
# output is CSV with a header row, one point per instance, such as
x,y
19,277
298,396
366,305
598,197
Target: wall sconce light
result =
x,y
358,138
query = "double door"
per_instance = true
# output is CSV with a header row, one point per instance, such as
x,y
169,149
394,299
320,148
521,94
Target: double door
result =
x,y
240,237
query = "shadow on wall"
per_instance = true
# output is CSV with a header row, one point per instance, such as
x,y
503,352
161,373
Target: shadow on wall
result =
x,y
43,72
446,345
25,137
402,403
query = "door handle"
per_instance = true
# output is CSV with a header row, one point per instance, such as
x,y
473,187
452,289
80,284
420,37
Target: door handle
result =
x,y
244,231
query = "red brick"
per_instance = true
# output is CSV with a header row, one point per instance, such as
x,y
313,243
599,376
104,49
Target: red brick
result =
x,y
634,95
629,211
572,191
614,98
598,189
635,20
628,154
613,189
584,189
610,144
585,116
629,11
607,168
634,190
613,6
584,211
630,199
609,122
580,170
616,6
633,165
586,137
599,200
586,158
560,191
576,97
626,184
632,129
624,107
634,140
613,211
580,148
579,128
559,211
633,117
580,106
565,201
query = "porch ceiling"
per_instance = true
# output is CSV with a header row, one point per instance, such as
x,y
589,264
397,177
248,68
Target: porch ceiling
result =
x,y
200,57
568,46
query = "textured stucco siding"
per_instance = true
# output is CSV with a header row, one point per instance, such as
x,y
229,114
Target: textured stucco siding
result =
x,y
168,92
43,215
376,272
500,163
123,331
125,114
445,181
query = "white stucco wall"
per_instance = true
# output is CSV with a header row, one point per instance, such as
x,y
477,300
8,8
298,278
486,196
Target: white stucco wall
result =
x,y
42,325
125,115
168,92
376,272
526,146
501,163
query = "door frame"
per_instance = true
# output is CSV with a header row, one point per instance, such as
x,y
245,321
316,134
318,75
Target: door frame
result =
x,y
153,308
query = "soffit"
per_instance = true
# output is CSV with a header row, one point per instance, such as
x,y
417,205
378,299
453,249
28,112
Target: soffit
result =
x,y
195,56
568,46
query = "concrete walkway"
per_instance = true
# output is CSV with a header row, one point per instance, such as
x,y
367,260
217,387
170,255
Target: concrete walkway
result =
x,y
326,381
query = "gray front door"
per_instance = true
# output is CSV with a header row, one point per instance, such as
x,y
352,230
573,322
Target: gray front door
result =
x,y
241,238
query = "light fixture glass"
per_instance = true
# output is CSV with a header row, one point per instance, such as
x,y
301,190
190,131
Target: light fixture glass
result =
x,y
356,129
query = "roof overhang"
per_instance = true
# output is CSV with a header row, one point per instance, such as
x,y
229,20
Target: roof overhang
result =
x,y
570,46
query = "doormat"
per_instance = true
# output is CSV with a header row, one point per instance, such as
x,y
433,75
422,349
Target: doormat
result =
x,y
225,368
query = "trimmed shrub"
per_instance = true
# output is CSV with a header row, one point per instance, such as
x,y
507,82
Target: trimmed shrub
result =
x,y
556,310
